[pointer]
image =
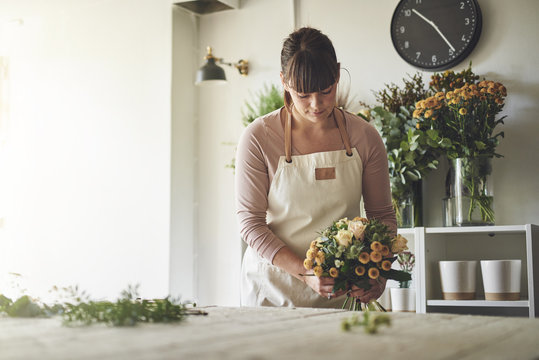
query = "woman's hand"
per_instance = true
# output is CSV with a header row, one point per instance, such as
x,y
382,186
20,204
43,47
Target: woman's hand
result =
x,y
365,296
323,285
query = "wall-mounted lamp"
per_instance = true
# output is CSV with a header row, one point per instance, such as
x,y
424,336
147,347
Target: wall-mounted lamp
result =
x,y
210,72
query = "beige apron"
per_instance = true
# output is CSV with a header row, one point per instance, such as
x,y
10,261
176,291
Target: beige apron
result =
x,y
307,194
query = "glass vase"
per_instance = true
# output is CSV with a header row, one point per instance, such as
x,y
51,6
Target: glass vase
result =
x,y
471,189
408,208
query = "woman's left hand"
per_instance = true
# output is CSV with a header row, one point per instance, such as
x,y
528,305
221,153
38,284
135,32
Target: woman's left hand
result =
x,y
365,296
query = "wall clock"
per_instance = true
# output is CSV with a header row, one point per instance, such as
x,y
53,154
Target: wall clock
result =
x,y
435,34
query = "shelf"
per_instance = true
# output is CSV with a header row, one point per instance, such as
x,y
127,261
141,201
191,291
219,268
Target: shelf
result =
x,y
507,229
478,303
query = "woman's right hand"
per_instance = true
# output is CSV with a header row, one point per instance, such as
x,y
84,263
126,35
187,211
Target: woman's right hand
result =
x,y
322,285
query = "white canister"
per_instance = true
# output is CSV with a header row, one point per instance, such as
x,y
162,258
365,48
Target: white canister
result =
x,y
458,279
501,279
403,299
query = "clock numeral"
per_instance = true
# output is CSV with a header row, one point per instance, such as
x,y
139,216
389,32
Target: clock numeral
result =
x,y
402,29
451,52
467,21
462,5
406,44
417,54
463,38
418,1
407,12
434,58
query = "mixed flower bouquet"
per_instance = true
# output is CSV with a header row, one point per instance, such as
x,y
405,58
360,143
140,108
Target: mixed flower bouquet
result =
x,y
406,260
353,252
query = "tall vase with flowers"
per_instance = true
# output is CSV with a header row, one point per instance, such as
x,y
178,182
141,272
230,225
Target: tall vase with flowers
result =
x,y
412,151
468,116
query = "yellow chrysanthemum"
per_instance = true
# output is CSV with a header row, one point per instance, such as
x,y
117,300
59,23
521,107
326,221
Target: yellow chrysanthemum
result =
x,y
360,270
313,245
449,95
463,111
417,113
418,126
376,256
385,250
428,113
364,258
333,272
308,264
386,265
311,254
320,258
318,270
376,246
374,273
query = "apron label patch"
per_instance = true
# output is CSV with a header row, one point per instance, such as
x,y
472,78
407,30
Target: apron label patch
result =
x,y
324,173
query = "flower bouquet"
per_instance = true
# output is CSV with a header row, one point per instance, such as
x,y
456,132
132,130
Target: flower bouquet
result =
x,y
353,252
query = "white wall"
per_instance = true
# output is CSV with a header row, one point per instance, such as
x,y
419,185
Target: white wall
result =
x,y
85,165
360,32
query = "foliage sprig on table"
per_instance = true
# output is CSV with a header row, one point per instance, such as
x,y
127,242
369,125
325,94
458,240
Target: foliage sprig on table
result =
x,y
128,310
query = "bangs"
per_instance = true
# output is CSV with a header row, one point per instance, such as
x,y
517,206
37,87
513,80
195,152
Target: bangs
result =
x,y
307,73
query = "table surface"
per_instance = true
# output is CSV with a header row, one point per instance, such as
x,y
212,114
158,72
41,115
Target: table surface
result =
x,y
276,333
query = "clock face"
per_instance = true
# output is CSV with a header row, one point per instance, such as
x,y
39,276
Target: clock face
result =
x,y
435,34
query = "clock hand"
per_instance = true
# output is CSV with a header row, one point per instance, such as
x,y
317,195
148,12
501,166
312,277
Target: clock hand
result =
x,y
431,23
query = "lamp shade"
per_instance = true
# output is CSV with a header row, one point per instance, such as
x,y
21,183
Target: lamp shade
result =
x,y
210,73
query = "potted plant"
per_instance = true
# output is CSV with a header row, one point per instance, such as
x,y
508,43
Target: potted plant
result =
x,y
403,297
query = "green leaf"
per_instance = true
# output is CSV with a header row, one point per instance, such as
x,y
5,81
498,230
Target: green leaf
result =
x,y
480,145
432,134
405,146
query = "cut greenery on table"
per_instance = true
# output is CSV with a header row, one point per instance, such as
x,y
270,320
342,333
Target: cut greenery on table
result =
x,y
128,310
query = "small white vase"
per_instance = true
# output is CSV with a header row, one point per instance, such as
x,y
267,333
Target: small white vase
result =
x,y
403,299
501,279
458,279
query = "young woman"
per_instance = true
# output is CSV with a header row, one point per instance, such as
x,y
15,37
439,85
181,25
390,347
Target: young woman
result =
x,y
300,168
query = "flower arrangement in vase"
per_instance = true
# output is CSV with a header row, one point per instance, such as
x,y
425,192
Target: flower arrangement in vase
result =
x,y
412,151
468,116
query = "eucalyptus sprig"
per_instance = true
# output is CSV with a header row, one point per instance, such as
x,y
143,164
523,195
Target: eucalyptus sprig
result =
x,y
370,322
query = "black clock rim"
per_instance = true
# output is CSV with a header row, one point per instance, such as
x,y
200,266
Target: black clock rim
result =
x,y
457,60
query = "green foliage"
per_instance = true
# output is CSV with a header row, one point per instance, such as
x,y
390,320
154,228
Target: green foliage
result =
x,y
268,99
412,152
370,322
393,98
128,310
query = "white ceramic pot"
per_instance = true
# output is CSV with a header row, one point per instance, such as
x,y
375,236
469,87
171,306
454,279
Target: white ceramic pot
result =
x,y
501,279
458,279
403,299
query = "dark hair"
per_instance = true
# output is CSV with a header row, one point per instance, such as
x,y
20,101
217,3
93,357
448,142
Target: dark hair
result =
x,y
308,62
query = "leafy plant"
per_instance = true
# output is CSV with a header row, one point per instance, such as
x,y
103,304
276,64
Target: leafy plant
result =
x,y
128,310
268,99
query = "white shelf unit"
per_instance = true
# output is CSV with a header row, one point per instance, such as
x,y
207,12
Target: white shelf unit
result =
x,y
477,243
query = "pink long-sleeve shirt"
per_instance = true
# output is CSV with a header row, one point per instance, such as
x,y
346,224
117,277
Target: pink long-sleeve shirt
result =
x,y
259,149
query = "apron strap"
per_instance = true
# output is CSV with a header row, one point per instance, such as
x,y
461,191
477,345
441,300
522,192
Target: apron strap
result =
x,y
288,137
339,118
342,129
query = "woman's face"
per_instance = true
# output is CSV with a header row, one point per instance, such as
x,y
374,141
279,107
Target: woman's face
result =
x,y
316,106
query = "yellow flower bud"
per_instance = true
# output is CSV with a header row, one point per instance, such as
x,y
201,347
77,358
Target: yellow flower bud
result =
x,y
318,271
364,258
376,246
463,111
360,270
386,265
308,264
374,273
376,256
333,272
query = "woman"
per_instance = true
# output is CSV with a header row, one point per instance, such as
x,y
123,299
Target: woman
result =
x,y
300,168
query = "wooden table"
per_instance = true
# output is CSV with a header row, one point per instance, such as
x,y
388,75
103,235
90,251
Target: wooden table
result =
x,y
276,333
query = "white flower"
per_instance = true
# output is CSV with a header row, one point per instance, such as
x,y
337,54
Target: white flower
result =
x,y
344,237
339,263
357,228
